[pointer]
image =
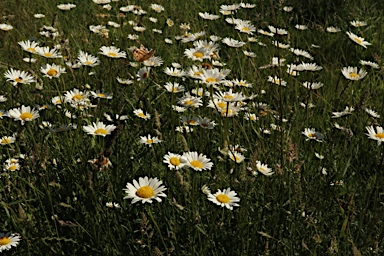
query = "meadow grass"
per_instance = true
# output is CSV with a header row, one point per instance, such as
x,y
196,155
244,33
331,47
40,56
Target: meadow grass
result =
x,y
55,200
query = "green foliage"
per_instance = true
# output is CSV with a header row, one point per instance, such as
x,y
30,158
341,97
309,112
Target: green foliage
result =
x,y
57,200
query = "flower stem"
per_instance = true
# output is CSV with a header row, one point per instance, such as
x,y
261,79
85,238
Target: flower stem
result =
x,y
157,228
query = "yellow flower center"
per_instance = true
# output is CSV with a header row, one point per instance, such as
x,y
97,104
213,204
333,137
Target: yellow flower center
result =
x,y
12,167
175,89
228,97
18,79
245,29
312,135
196,163
4,240
47,54
149,141
145,192
222,198
357,40
226,112
221,104
242,84
353,75
112,54
77,97
30,49
211,80
88,62
101,131
52,72
198,55
198,73
188,102
174,161
5,141
142,115
191,122
379,135
26,115
101,95
252,117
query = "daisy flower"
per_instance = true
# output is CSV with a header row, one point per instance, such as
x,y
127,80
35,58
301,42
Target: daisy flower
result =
x,y
352,74
124,81
190,120
198,54
5,27
372,113
359,40
276,80
211,76
375,135
225,198
8,140
112,52
205,189
278,31
308,67
232,42
263,168
198,162
174,72
333,29
357,23
18,77
154,61
88,60
12,165
303,53
190,101
146,190
140,113
101,95
23,114
148,140
143,74
174,161
301,27
52,71
8,240
174,87
313,85
206,123
208,16
157,8
312,134
266,33
48,53
76,96
245,27
66,7
236,157
370,63
99,129
29,46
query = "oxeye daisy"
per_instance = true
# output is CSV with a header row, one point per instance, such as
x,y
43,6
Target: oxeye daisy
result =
x,y
157,8
245,27
145,191
174,87
276,80
198,162
278,31
66,7
375,135
206,123
190,101
17,77
88,60
99,129
313,85
357,23
359,40
232,42
48,53
174,72
372,113
52,71
333,29
140,113
12,165
370,63
5,27
225,198
29,46
208,16
8,140
174,161
211,77
236,157
8,240
149,140
312,134
143,74
263,168
112,52
352,74
23,114
76,96
198,54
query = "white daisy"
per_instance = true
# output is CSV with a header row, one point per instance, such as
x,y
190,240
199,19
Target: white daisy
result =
x,y
146,190
225,198
198,162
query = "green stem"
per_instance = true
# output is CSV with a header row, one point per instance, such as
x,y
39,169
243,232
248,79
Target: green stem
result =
x,y
157,228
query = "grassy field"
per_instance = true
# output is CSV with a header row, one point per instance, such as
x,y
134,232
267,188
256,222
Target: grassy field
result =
x,y
277,116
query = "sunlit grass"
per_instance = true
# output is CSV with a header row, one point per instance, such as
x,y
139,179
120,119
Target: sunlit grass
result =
x,y
264,160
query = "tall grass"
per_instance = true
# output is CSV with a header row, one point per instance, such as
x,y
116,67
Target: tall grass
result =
x,y
309,206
